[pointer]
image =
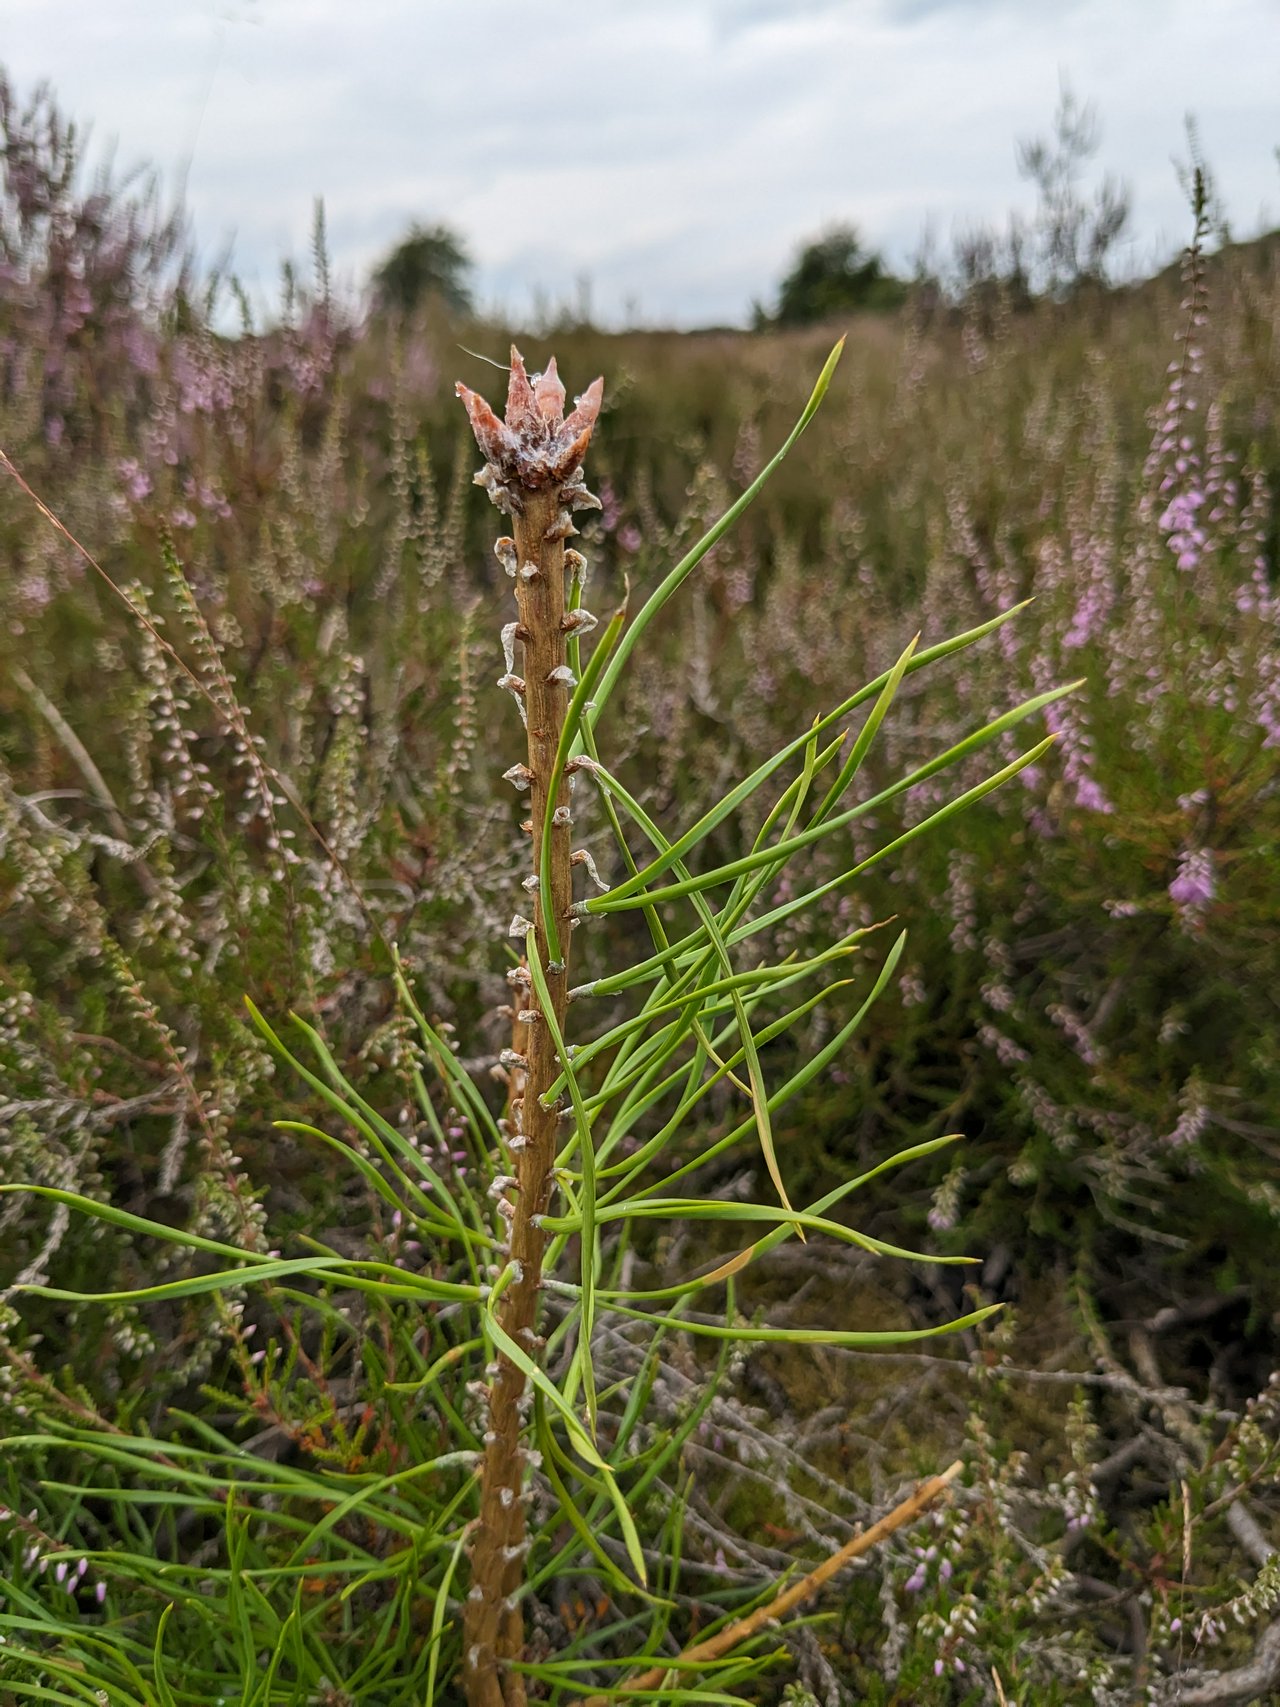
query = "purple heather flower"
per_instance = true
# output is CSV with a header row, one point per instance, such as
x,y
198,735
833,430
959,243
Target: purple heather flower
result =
x,y
137,482
608,506
1089,795
1195,885
1187,539
1065,721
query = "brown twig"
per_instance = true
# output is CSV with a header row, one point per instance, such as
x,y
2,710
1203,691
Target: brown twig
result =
x,y
1253,1681
733,1635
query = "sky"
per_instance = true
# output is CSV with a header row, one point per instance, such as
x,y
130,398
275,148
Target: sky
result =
x,y
665,156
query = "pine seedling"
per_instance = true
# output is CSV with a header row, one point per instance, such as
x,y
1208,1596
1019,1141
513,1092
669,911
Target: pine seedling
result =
x,y
522,1220
533,473
701,1006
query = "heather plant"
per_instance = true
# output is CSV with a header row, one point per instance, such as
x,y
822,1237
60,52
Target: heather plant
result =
x,y
1106,999
1095,1013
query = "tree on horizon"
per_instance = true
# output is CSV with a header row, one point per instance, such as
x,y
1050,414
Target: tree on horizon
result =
x,y
432,260
831,275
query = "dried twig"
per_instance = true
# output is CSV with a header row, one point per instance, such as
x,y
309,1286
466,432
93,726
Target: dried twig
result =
x,y
1252,1682
734,1635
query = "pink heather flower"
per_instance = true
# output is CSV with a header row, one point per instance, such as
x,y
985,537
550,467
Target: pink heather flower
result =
x,y
35,591
1089,795
608,506
1190,1126
140,349
630,538
1193,1120
137,482
1195,885
1064,721
1186,538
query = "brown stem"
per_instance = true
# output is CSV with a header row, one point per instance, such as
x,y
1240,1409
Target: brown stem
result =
x,y
733,1635
533,472
494,1625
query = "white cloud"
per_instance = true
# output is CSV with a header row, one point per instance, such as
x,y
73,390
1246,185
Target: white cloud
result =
x,y
673,150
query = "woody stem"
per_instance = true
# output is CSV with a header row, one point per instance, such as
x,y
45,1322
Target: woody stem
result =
x,y
494,1624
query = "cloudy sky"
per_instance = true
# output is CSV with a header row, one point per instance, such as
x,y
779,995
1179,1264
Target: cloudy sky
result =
x,y
670,152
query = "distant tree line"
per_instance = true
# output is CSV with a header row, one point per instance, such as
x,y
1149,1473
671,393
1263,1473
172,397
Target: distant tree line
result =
x,y
832,275
1067,245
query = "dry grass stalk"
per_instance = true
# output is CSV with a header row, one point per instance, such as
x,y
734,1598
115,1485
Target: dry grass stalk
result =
x,y
733,1635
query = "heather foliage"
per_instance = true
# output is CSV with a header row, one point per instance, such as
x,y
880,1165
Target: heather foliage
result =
x,y
264,760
